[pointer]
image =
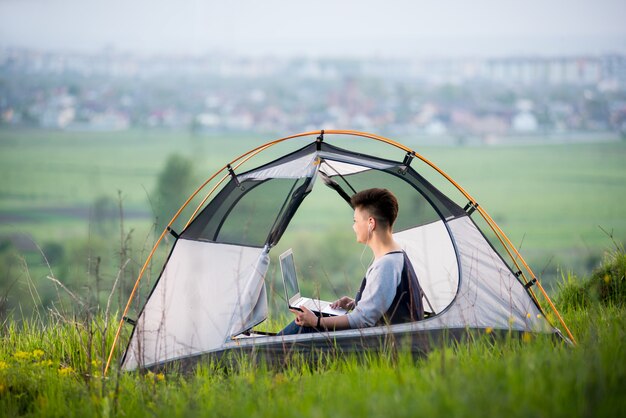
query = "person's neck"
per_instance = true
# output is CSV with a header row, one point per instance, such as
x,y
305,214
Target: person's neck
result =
x,y
382,244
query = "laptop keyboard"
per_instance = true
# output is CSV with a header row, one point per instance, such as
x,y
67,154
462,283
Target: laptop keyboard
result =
x,y
315,305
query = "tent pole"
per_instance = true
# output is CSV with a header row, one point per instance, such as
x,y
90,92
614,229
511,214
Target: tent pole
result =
x,y
248,155
500,234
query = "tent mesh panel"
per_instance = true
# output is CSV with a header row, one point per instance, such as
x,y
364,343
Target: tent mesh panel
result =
x,y
248,214
257,211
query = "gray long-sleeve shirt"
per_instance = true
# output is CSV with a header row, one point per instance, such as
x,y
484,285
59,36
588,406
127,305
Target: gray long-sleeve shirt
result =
x,y
382,278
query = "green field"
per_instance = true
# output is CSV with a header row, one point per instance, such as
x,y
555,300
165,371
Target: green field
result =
x,y
550,197
552,200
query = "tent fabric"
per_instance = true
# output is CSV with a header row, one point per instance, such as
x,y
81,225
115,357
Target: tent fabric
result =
x,y
212,287
489,294
489,297
251,308
205,292
434,260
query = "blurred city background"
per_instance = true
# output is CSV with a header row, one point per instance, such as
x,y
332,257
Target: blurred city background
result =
x,y
451,100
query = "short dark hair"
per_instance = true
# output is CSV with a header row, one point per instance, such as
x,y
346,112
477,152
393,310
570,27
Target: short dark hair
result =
x,y
380,203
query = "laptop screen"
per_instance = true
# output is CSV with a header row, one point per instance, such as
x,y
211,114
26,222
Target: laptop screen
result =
x,y
288,269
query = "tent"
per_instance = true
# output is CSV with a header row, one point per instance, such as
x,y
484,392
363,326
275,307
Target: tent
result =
x,y
212,290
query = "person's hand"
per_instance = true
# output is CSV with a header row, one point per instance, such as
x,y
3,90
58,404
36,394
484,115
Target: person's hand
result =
x,y
305,318
344,303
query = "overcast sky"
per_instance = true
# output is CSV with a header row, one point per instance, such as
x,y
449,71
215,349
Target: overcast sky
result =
x,y
320,27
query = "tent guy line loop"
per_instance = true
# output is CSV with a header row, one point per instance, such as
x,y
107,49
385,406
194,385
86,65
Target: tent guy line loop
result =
x,y
174,233
470,207
232,173
408,158
530,283
130,321
319,140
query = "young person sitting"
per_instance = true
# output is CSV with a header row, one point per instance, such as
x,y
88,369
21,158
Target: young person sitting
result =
x,y
390,292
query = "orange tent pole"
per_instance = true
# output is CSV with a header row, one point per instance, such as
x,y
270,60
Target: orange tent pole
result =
x,y
250,154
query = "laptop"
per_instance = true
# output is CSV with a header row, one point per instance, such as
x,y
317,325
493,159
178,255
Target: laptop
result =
x,y
292,290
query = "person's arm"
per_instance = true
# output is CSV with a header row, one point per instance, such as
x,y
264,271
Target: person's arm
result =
x,y
382,282
306,318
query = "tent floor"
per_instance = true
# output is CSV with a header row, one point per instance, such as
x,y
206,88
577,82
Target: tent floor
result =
x,y
281,351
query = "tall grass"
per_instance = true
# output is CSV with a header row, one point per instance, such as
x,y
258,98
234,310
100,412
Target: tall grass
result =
x,y
54,367
606,285
46,371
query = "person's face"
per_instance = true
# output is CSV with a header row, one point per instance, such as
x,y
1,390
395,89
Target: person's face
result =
x,y
361,225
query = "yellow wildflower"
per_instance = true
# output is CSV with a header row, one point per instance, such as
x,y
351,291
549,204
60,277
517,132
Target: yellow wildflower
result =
x,y
96,363
155,377
66,371
538,315
21,355
37,353
3,365
489,330
526,337
45,363
607,278
528,315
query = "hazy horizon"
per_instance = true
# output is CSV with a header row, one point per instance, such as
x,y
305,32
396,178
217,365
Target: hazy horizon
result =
x,y
349,28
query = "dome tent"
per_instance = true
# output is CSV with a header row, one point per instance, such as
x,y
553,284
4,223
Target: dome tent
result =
x,y
212,291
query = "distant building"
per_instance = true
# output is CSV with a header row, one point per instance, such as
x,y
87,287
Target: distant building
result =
x,y
524,122
55,118
553,70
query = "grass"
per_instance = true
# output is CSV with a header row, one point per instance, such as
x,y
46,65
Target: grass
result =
x,y
606,285
46,372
